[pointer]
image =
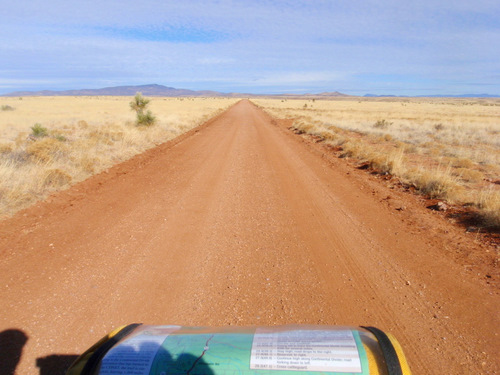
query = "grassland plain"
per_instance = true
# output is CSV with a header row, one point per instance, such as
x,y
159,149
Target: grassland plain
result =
x,y
49,143
445,148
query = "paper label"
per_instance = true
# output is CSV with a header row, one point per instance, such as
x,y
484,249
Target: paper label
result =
x,y
163,350
305,350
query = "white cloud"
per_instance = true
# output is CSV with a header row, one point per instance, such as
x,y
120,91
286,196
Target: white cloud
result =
x,y
216,60
297,78
259,44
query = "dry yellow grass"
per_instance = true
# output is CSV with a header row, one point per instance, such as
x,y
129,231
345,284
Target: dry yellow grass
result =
x,y
447,148
85,136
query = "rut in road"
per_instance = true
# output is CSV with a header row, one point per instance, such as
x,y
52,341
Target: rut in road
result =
x,y
237,223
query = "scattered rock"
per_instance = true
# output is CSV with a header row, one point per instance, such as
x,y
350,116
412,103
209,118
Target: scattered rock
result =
x,y
439,206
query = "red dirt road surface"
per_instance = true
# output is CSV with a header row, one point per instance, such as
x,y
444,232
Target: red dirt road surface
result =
x,y
241,222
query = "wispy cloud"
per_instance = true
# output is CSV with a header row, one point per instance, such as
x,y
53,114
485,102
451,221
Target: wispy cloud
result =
x,y
216,60
297,78
258,46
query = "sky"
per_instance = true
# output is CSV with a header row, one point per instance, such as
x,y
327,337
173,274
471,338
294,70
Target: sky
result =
x,y
397,47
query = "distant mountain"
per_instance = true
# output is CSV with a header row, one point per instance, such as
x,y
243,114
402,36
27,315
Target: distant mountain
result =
x,y
150,90
330,94
159,90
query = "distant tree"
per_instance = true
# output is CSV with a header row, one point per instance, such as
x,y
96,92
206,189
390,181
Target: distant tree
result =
x,y
139,105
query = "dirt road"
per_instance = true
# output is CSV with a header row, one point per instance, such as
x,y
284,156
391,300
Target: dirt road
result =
x,y
239,223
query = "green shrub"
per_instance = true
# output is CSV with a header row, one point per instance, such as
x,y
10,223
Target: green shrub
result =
x,y
382,124
139,105
39,131
145,119
7,108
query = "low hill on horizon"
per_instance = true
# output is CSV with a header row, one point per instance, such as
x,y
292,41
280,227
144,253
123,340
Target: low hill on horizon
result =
x,y
160,90
151,90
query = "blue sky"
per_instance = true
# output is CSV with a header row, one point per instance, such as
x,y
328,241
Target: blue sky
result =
x,y
352,46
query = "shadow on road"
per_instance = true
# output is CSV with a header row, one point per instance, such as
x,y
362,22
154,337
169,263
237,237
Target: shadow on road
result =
x,y
12,342
55,364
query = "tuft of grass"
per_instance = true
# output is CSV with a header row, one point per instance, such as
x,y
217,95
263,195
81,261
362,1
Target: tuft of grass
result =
x,y
462,163
38,131
382,124
339,140
88,164
469,175
388,163
355,148
489,206
82,124
5,148
46,150
6,107
302,127
56,178
60,137
435,183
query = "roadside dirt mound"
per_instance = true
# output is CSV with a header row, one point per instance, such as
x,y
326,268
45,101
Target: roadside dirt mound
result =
x,y
242,222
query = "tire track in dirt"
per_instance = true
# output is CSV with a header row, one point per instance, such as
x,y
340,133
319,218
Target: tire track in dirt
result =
x,y
237,223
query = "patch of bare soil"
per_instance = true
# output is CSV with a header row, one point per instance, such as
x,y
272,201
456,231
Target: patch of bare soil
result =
x,y
242,222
